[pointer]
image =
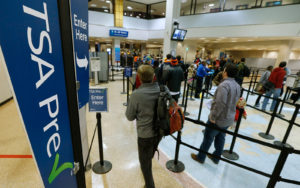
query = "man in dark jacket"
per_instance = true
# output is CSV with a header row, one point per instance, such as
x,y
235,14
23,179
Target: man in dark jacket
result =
x,y
173,78
276,78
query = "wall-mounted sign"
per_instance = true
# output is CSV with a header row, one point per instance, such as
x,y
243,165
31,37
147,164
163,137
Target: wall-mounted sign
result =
x,y
118,33
38,80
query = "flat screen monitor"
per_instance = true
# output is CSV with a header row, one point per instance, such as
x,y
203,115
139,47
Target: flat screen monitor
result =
x,y
179,34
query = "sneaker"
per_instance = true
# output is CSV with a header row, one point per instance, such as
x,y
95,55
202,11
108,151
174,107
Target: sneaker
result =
x,y
212,159
194,156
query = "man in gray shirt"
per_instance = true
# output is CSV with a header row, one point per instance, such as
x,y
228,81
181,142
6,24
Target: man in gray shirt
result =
x,y
221,115
142,107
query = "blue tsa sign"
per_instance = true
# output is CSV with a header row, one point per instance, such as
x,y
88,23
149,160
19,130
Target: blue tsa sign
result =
x,y
118,33
128,72
79,11
98,100
38,80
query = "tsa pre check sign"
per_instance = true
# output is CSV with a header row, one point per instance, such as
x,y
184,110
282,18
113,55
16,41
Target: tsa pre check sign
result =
x,y
31,47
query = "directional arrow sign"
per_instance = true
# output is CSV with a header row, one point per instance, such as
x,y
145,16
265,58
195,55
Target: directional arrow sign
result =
x,y
82,62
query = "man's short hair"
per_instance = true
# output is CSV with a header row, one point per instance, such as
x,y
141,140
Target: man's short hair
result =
x,y
282,64
146,73
178,58
243,59
231,70
169,56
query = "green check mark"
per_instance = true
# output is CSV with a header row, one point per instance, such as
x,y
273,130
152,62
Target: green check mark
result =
x,y
55,172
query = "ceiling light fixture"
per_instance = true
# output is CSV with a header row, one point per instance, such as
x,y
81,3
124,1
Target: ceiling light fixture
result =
x,y
211,5
104,6
93,5
129,7
183,1
107,1
163,13
105,10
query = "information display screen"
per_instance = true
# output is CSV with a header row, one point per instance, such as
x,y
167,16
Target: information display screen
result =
x,y
179,34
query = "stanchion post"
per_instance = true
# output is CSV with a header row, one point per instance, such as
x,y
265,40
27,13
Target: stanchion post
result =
x,y
186,100
102,166
284,99
127,97
279,166
229,154
175,165
250,86
201,105
255,81
291,124
123,92
112,71
192,91
184,92
267,134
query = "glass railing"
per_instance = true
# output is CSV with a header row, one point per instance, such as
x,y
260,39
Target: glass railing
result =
x,y
191,7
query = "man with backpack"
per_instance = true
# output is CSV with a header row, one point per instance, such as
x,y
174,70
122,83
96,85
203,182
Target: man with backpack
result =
x,y
141,107
243,71
173,78
163,69
222,114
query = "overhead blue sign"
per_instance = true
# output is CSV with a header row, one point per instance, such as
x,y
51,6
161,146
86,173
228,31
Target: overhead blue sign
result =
x,y
118,33
36,69
128,71
79,12
98,100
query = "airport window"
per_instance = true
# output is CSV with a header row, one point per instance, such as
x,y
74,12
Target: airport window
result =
x,y
102,6
191,7
134,9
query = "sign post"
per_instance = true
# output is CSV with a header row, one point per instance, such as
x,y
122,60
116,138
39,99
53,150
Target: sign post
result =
x,y
98,103
42,76
128,74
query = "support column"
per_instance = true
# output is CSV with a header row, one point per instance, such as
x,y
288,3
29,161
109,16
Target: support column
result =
x,y
116,54
284,53
172,13
118,9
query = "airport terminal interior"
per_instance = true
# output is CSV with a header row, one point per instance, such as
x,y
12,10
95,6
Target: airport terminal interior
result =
x,y
262,148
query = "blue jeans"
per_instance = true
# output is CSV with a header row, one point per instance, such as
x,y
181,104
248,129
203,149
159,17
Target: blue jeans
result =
x,y
211,135
276,94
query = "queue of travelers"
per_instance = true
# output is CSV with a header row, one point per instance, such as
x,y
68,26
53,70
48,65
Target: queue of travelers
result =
x,y
228,75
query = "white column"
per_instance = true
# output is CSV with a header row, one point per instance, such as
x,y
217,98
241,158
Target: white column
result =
x,y
172,13
284,53
115,44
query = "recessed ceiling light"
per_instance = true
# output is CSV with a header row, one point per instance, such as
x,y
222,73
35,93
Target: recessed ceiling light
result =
x,y
183,1
202,38
163,13
152,10
211,5
107,1
93,5
105,10
129,7
104,6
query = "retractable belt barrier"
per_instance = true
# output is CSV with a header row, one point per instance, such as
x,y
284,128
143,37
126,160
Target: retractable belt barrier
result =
x,y
285,149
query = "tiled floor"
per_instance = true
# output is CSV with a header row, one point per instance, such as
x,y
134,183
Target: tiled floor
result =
x,y
120,148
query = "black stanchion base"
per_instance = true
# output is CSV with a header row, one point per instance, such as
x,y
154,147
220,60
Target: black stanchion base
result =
x,y
186,114
125,104
102,169
231,156
191,99
280,144
179,167
123,92
266,136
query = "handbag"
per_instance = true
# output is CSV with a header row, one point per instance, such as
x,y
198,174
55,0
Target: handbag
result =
x,y
269,86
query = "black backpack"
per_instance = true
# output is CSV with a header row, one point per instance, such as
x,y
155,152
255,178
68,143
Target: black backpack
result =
x,y
246,71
